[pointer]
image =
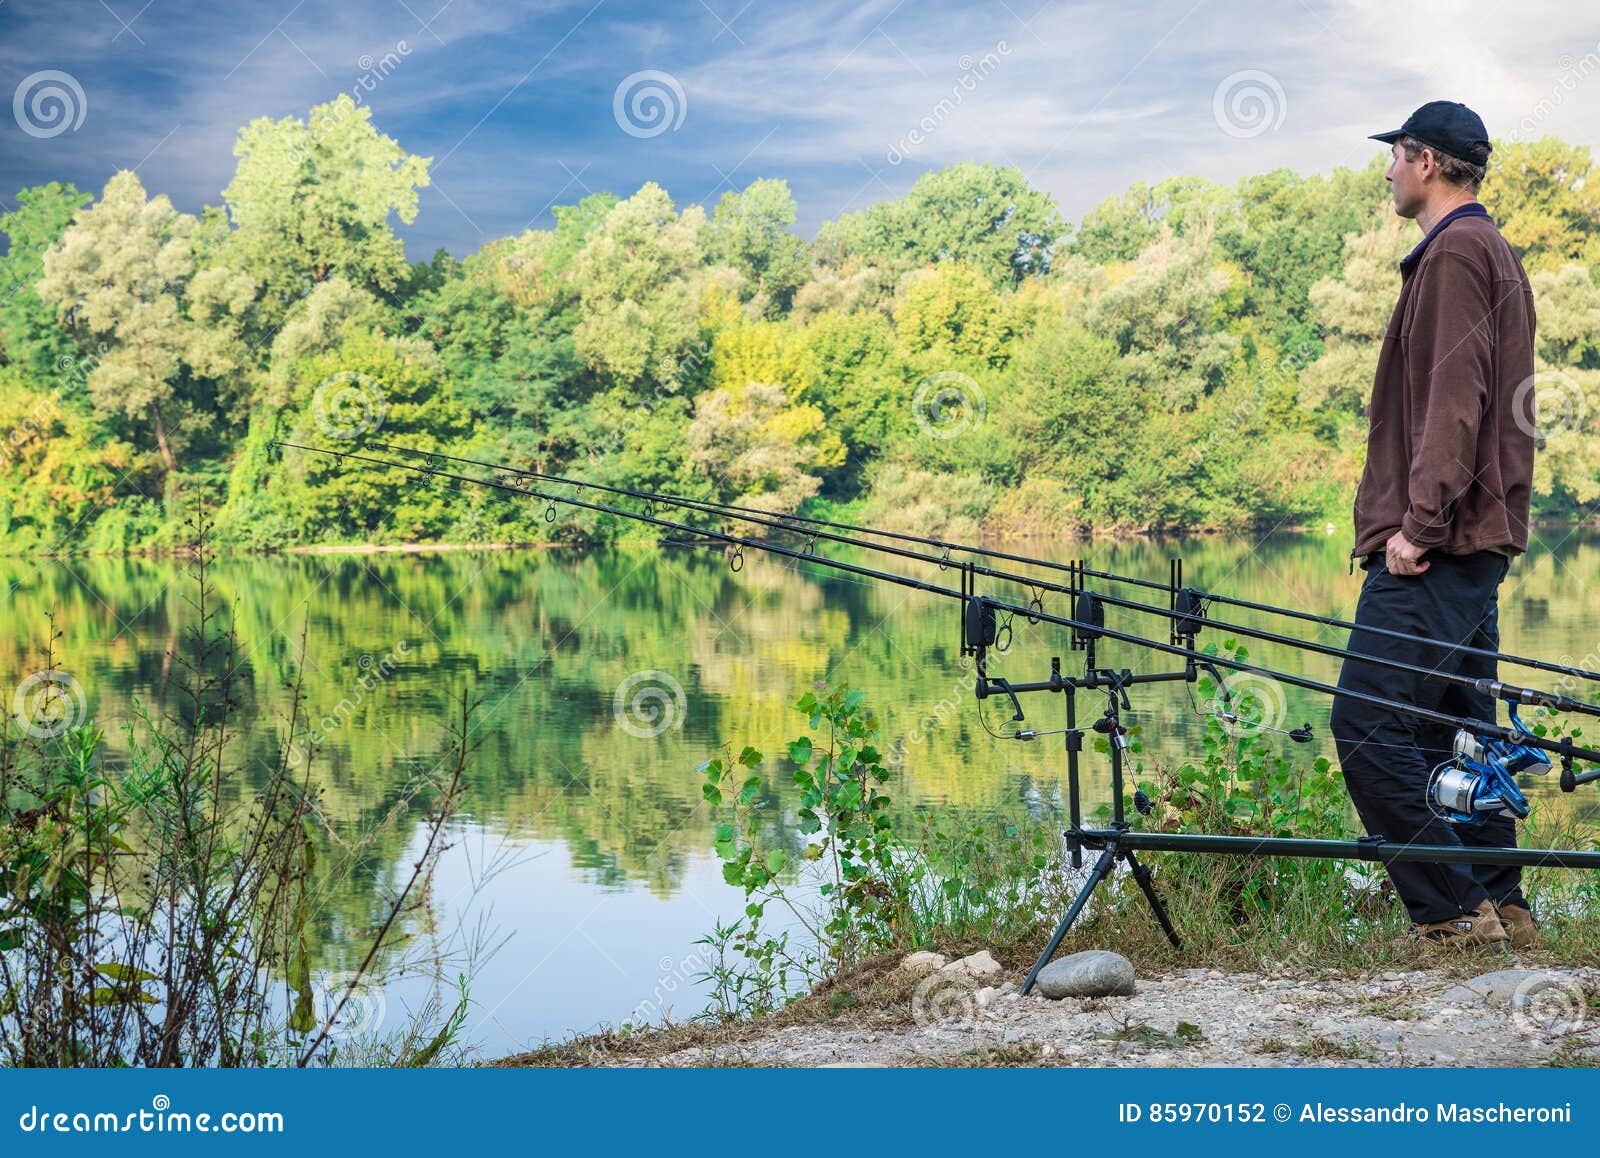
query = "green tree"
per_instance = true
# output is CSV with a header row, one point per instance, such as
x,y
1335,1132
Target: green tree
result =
x,y
312,199
952,309
30,335
1071,413
121,270
638,294
750,231
983,214
58,467
1544,196
763,449
388,388
1288,233
862,386
1124,225
1568,309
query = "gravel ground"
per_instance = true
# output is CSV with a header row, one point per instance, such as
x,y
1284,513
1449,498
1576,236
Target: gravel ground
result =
x,y
1200,1017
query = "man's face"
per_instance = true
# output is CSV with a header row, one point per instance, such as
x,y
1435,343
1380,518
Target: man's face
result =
x,y
1406,180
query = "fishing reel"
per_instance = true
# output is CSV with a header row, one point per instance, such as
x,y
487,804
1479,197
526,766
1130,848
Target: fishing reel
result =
x,y
1478,781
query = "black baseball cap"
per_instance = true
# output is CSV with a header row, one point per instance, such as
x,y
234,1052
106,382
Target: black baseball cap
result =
x,y
1449,126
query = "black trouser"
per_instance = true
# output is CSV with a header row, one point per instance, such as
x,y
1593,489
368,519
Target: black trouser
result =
x,y
1387,755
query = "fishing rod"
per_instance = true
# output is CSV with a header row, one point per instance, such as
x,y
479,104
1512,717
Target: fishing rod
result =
x,y
1196,597
986,604
1186,606
1474,784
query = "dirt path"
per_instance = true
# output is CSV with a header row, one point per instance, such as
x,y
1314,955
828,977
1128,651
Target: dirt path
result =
x,y
1196,1017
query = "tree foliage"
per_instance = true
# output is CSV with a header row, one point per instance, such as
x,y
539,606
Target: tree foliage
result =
x,y
955,361
312,199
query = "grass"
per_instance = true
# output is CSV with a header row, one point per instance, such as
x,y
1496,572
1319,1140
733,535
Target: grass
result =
x,y
1324,1048
1299,944
1185,1034
1016,1055
1281,917
1270,1045
1573,1055
1400,1007
1294,917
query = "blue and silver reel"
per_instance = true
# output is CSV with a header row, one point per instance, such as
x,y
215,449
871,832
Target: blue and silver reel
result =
x,y
1479,781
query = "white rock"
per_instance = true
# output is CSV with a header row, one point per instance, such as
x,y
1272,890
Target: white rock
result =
x,y
923,962
980,966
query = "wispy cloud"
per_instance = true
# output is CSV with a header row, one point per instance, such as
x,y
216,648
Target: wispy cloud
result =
x,y
849,101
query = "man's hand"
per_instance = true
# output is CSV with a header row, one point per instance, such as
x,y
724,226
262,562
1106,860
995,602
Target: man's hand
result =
x,y
1403,557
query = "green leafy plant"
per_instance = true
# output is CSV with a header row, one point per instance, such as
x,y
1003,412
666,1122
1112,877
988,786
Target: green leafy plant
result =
x,y
857,891
162,913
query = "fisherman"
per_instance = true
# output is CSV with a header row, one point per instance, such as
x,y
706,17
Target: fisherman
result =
x,y
1441,510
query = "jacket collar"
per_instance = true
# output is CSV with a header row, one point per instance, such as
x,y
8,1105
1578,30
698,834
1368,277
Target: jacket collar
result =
x,y
1470,209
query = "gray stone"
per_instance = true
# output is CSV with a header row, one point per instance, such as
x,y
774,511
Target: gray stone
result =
x,y
923,962
1092,973
1504,987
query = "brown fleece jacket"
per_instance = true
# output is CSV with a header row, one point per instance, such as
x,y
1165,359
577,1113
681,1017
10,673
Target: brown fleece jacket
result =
x,y
1450,445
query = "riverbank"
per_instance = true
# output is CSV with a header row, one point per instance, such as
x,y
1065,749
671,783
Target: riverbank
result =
x,y
1480,1010
1023,535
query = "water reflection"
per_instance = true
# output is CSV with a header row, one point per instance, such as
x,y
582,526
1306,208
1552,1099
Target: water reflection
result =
x,y
612,807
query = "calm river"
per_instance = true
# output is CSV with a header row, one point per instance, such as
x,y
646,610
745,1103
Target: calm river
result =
x,y
583,848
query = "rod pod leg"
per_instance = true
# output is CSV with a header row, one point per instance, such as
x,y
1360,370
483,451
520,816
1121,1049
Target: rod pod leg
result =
x,y
1141,874
1102,868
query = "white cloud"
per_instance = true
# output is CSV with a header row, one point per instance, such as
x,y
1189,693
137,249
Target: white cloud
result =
x,y
1085,98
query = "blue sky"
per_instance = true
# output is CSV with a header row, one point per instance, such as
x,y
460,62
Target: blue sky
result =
x,y
516,100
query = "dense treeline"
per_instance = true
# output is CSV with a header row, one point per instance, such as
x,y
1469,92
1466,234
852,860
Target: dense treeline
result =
x,y
962,360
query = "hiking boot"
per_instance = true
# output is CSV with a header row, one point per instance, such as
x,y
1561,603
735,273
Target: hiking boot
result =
x,y
1519,924
1468,931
